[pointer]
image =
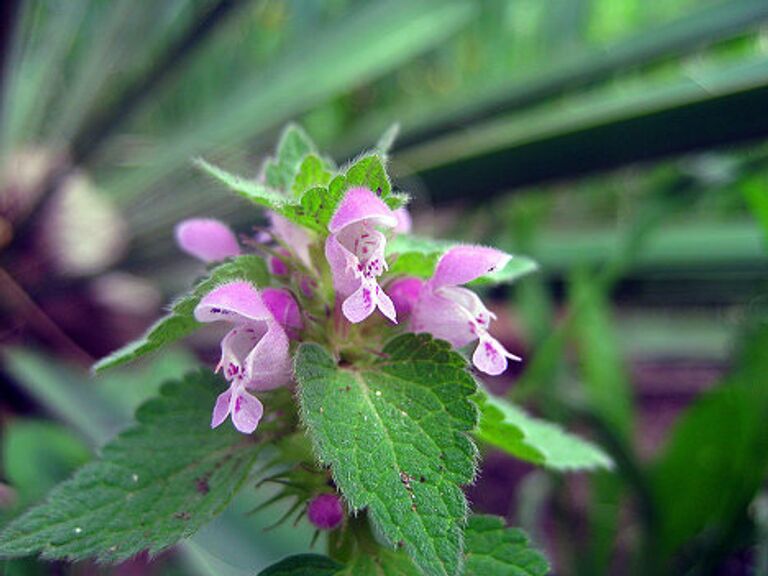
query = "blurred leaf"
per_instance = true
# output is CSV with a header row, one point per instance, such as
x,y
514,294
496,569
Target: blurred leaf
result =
x,y
576,69
372,40
153,485
603,374
37,455
507,427
716,458
387,139
755,192
294,145
181,321
595,131
492,548
408,455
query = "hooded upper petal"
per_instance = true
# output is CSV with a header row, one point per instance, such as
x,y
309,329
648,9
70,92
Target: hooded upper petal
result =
x,y
463,264
355,251
235,301
361,204
207,239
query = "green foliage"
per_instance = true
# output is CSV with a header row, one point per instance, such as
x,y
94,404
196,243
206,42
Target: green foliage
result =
x,y
605,378
507,427
395,436
294,145
37,455
312,172
181,321
304,565
251,190
492,548
418,256
717,454
153,485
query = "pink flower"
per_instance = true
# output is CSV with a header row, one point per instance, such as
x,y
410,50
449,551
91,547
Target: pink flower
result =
x,y
355,252
447,310
404,222
292,238
206,239
254,354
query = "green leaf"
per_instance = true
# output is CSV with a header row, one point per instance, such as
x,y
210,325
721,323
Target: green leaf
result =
x,y
507,427
492,548
37,455
249,189
604,375
312,173
303,565
418,256
319,204
387,139
383,563
369,172
395,436
716,459
154,484
181,321
279,173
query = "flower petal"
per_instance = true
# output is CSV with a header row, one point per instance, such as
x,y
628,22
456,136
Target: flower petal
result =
x,y
221,409
360,304
443,318
404,221
404,293
343,265
246,411
206,239
463,264
292,236
283,307
490,356
361,204
385,304
268,364
235,302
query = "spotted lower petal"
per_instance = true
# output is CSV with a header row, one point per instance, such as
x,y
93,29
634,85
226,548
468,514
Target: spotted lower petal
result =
x,y
490,356
246,411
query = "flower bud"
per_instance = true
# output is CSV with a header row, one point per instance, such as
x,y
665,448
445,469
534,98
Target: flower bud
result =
x,y
325,511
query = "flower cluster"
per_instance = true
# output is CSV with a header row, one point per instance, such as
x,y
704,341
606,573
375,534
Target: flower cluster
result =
x,y
256,352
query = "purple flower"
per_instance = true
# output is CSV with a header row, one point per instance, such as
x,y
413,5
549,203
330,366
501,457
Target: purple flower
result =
x,y
355,252
447,310
325,511
254,353
291,238
206,239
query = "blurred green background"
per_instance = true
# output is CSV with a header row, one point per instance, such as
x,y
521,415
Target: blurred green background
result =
x,y
620,143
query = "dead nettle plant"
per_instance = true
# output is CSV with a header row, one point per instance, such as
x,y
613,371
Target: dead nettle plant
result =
x,y
348,373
